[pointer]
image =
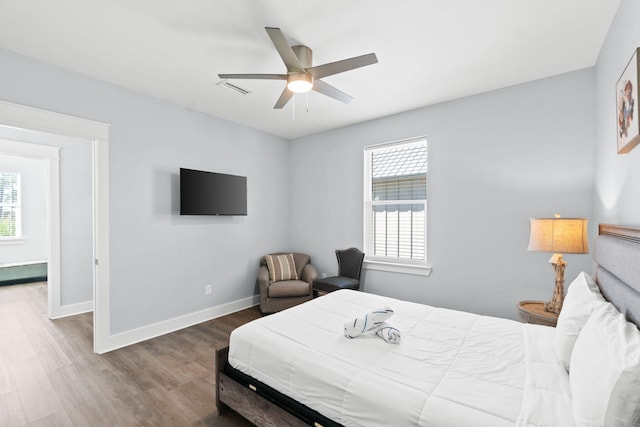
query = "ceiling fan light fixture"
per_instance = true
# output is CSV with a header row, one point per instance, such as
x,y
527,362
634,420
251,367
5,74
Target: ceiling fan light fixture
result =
x,y
301,75
300,83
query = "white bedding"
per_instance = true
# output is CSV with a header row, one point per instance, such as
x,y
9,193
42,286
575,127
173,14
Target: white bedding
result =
x,y
450,369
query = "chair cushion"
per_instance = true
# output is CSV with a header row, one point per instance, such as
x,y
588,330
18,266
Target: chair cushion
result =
x,y
301,261
350,262
281,267
288,288
330,284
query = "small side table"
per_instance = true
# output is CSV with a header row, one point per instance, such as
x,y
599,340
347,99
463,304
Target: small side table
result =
x,y
533,312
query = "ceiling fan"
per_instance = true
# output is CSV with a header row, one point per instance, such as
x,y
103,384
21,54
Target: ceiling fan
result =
x,y
301,75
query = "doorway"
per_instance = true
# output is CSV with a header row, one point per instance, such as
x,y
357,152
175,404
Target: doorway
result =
x,y
95,134
46,177
39,162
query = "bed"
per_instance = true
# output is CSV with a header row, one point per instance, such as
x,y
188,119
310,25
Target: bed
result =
x,y
451,368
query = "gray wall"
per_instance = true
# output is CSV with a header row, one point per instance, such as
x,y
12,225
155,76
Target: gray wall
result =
x,y
495,160
617,188
160,261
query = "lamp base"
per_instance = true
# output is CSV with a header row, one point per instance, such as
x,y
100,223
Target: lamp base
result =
x,y
555,305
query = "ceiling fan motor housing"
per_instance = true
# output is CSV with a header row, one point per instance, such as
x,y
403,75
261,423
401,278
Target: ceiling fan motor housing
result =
x,y
301,81
304,55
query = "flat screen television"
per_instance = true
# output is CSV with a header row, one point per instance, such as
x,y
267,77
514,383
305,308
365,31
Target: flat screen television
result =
x,y
211,193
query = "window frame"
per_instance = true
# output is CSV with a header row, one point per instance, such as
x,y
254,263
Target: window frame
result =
x,y
390,264
17,237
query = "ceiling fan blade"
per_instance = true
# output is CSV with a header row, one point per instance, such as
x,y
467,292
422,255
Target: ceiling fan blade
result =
x,y
330,91
254,76
332,68
284,50
284,98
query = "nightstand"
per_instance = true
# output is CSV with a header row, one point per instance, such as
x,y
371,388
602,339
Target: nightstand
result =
x,y
533,312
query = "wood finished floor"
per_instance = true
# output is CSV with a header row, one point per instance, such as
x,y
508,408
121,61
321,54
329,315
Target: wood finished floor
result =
x,y
49,375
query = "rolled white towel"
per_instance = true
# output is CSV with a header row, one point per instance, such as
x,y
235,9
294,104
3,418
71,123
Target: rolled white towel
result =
x,y
388,333
368,322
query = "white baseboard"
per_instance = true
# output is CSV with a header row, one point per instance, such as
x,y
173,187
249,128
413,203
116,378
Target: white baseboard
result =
x,y
144,333
72,309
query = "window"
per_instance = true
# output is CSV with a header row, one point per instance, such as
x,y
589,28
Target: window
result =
x,y
9,205
395,206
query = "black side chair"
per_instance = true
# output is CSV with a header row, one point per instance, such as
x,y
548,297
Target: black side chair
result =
x,y
349,268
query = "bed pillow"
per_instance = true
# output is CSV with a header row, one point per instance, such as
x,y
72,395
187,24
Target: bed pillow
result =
x,y
583,296
605,371
281,267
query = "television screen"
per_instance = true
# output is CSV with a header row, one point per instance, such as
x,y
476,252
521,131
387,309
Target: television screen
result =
x,y
210,193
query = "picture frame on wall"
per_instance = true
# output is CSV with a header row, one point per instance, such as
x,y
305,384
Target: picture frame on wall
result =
x,y
627,120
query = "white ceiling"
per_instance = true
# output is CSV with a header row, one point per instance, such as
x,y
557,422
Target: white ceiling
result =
x,y
429,51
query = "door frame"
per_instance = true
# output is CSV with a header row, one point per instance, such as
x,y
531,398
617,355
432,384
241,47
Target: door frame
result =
x,y
97,134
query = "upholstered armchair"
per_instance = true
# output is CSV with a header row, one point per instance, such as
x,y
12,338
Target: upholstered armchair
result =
x,y
283,285
349,269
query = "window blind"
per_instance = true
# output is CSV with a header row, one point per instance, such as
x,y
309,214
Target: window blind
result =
x,y
9,204
398,201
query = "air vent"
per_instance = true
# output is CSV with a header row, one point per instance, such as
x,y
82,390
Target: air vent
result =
x,y
227,84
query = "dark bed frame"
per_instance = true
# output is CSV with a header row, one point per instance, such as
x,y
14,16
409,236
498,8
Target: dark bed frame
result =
x,y
617,271
259,403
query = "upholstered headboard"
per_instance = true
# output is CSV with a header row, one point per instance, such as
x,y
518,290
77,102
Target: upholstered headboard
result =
x,y
617,272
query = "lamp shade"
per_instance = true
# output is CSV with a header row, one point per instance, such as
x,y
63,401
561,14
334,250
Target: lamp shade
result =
x,y
300,83
559,235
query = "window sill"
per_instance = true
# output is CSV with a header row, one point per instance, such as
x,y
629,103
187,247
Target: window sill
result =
x,y
419,270
11,241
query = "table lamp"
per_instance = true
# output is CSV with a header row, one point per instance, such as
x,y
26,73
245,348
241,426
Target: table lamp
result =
x,y
558,235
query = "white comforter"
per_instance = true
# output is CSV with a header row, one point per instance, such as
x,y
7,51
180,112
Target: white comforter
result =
x,y
450,369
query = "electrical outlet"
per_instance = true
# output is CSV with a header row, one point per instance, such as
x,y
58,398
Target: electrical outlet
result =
x,y
323,275
208,290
